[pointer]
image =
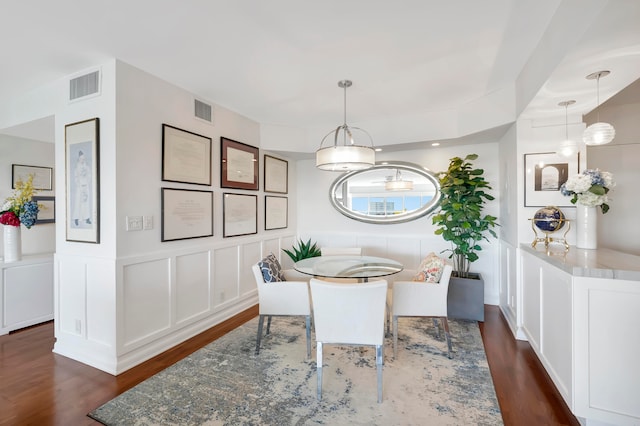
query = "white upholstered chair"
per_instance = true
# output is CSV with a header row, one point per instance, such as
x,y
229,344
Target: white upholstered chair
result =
x,y
420,299
282,298
349,314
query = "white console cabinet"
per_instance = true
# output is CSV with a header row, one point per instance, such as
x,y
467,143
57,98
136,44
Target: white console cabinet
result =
x,y
581,314
26,292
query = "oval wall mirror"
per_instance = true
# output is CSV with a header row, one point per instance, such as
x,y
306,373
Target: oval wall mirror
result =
x,y
389,192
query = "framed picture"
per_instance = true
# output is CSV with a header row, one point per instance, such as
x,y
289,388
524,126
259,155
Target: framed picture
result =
x,y
186,156
186,213
239,167
82,177
275,212
42,176
47,213
276,174
544,174
239,214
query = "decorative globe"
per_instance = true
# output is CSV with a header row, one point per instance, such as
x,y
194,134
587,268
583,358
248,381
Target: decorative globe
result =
x,y
549,219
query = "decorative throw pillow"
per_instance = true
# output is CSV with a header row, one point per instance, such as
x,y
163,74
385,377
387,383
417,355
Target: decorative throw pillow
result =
x,y
430,269
271,269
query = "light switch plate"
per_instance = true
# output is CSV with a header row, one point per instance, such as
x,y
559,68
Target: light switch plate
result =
x,y
134,223
147,222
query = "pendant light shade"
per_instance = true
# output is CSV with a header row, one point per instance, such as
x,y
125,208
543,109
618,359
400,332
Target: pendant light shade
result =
x,y
345,154
567,147
398,184
598,133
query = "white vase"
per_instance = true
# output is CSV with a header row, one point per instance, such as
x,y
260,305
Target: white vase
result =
x,y
12,243
586,227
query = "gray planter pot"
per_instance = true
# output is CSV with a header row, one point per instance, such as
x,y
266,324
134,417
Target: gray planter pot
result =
x,y
466,298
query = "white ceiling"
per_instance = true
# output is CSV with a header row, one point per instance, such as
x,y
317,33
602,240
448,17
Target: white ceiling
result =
x,y
278,62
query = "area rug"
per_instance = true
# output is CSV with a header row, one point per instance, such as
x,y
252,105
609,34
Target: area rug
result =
x,y
225,383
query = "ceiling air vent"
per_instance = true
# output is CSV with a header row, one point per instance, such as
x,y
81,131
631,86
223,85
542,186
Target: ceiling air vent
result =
x,y
203,111
85,85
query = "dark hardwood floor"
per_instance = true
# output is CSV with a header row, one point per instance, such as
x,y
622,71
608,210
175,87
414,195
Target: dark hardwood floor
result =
x,y
38,387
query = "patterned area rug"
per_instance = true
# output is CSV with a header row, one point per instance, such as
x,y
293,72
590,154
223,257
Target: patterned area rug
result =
x,y
224,383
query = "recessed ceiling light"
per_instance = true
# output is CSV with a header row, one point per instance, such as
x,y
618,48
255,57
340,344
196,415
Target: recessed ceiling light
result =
x,y
435,144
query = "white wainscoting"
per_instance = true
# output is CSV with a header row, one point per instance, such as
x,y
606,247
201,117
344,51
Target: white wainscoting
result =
x,y
114,315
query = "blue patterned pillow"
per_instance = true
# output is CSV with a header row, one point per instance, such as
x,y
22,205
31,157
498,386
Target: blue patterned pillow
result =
x,y
271,269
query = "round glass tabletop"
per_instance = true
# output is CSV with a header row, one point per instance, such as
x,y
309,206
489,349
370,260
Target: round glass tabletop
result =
x,y
348,266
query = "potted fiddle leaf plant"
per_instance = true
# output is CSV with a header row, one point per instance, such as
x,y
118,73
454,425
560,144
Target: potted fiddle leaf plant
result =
x,y
460,221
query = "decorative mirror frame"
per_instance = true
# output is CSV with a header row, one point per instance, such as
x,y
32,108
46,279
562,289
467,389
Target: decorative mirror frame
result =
x,y
387,220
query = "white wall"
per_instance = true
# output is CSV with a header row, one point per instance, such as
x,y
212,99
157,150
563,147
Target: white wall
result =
x,y
13,150
132,296
618,229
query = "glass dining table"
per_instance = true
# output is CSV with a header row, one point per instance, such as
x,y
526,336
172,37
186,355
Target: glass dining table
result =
x,y
360,267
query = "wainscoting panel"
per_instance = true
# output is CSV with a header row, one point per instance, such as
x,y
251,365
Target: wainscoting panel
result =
x,y
251,253
71,296
146,300
271,245
101,302
225,273
192,286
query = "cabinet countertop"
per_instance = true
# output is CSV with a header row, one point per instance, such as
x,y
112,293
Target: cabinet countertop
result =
x,y
598,263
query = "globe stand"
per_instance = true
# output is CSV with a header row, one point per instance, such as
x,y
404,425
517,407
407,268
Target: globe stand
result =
x,y
547,239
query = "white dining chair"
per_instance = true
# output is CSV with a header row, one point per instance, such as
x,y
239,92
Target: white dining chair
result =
x,y
282,298
420,299
349,314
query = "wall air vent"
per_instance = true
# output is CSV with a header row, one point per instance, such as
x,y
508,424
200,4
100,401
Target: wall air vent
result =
x,y
203,111
84,85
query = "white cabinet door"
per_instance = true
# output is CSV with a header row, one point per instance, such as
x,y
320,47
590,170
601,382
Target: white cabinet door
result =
x,y
531,271
556,340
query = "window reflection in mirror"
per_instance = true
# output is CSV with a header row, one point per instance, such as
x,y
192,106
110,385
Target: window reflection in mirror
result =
x,y
390,192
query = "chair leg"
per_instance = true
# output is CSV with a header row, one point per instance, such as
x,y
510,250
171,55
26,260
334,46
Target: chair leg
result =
x,y
308,326
379,362
319,368
395,336
388,315
260,324
447,335
269,325
435,324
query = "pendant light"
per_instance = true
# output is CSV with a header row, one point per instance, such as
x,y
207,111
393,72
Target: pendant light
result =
x,y
567,147
598,133
345,155
398,184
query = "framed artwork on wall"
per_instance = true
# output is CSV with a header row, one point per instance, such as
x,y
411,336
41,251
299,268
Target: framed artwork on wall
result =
x,y
544,174
82,178
239,214
42,176
275,212
276,174
239,165
186,156
186,213
47,213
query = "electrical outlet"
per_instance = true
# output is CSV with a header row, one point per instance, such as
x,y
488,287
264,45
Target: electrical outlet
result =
x,y
134,223
147,222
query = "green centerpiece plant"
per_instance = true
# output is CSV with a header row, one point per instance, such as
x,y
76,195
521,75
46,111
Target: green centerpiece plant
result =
x,y
303,250
459,218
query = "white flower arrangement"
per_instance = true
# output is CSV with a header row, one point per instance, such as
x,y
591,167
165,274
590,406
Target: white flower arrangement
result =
x,y
590,188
